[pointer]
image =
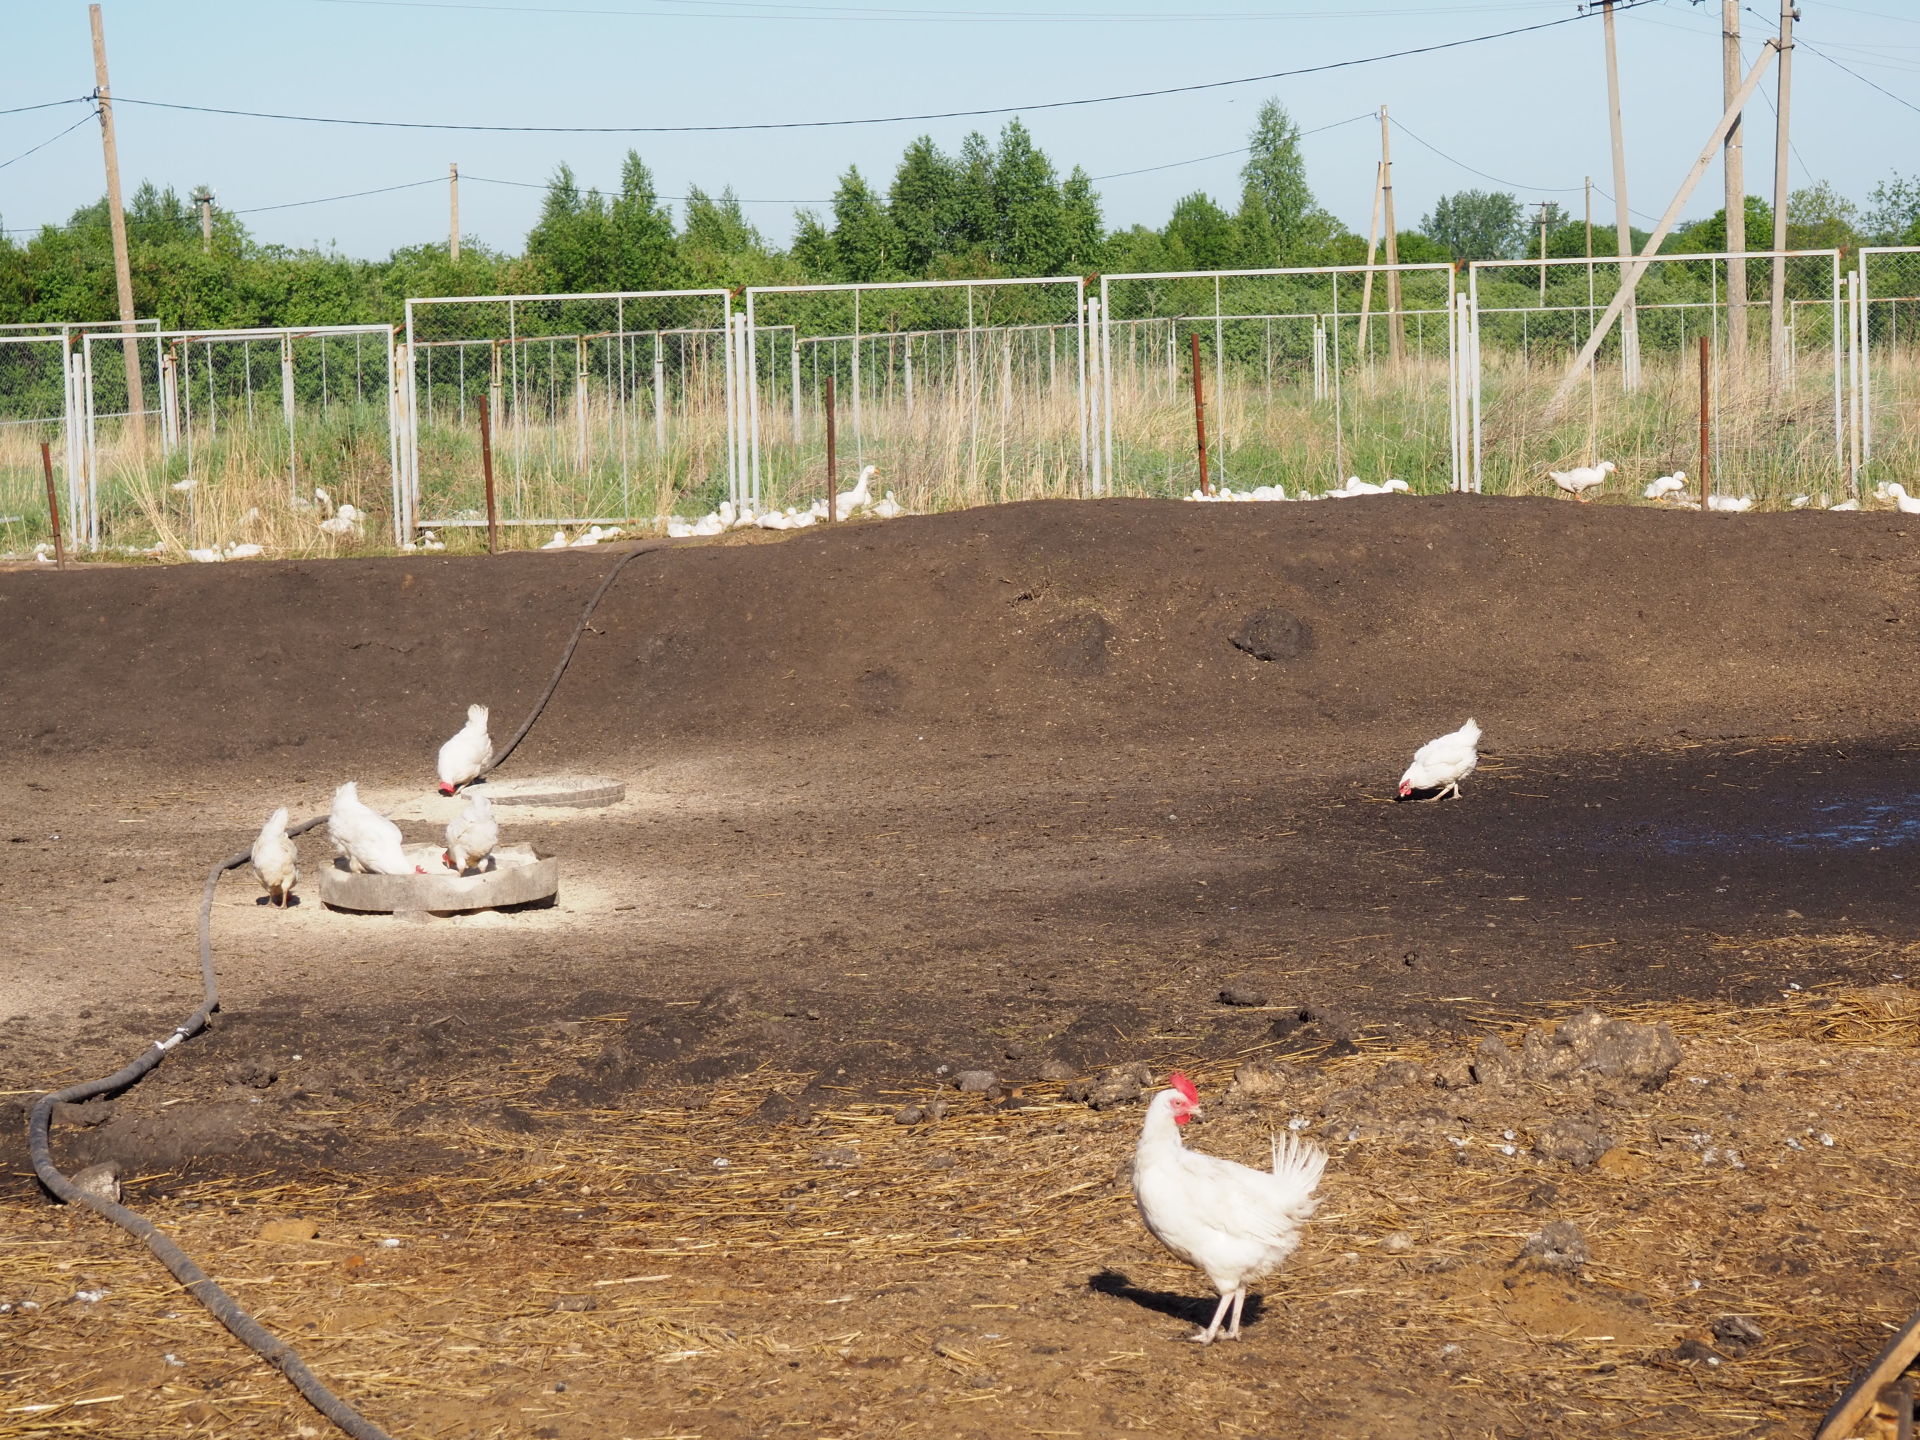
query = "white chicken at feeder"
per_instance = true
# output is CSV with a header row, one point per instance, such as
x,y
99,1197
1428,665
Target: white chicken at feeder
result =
x,y
1443,763
276,859
1582,478
370,841
1666,485
471,835
1231,1222
467,753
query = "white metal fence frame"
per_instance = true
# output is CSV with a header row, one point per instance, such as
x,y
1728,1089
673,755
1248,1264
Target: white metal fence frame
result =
x,y
1890,296
1715,305
61,359
415,345
174,430
753,330
1327,355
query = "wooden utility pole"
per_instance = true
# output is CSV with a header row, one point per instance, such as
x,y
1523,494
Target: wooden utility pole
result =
x,y
1734,171
453,219
1622,225
203,198
1778,306
1373,248
1397,325
122,269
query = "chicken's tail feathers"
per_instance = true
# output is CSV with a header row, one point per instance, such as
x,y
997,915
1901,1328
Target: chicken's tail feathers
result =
x,y
1471,730
1298,1160
276,821
476,715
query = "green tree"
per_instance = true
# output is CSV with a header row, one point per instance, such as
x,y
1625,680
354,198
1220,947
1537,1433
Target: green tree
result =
x,y
717,245
976,217
1819,217
1082,227
1477,225
1030,224
572,241
1200,236
1275,188
866,242
812,248
1893,211
925,205
641,232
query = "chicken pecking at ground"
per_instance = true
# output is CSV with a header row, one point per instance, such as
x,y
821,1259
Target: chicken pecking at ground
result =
x,y
276,859
370,841
1231,1222
464,756
1442,764
471,835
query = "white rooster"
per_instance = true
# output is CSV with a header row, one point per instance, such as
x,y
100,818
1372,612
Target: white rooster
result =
x,y
370,841
1232,1223
471,835
1443,763
467,753
275,858
1582,478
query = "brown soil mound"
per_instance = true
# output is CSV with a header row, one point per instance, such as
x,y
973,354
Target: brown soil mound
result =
x,y
1385,620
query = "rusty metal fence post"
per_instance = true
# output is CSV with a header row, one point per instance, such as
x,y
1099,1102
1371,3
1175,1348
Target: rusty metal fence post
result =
x,y
486,467
1199,413
53,506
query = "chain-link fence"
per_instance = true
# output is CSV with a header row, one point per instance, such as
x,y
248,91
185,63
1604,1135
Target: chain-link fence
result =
x,y
1776,430
246,437
604,407
36,407
960,392
1309,376
1888,373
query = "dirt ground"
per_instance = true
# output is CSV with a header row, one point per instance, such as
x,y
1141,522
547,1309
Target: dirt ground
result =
x,y
995,790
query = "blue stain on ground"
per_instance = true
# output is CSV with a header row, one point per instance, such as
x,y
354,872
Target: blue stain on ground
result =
x,y
1853,822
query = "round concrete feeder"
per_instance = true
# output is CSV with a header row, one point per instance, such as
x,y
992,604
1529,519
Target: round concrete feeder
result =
x,y
515,876
579,792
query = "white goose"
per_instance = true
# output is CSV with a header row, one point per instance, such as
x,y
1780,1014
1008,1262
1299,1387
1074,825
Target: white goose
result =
x,y
1909,504
1667,485
1582,478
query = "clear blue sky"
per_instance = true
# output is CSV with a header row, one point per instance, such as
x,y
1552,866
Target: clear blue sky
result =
x,y
1530,109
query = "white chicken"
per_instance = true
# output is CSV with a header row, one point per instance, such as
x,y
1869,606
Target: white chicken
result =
x,y
467,753
344,521
276,859
471,835
370,841
1666,485
1730,504
888,508
1443,763
1231,1222
558,542
1582,478
1845,505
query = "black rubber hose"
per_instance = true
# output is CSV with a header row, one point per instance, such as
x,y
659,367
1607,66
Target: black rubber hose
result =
x,y
199,1284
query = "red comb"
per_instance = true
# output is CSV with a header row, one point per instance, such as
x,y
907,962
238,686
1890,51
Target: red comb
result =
x,y
1185,1086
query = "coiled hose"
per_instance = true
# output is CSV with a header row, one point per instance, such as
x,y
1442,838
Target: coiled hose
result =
x,y
199,1284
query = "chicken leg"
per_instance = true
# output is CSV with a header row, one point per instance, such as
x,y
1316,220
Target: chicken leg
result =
x,y
1239,1300
1211,1333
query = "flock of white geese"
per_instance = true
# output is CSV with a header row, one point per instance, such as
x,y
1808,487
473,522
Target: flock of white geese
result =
x,y
345,520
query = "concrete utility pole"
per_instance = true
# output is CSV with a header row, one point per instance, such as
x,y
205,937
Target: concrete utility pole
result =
x,y
1734,171
117,217
1632,270
1545,207
453,221
1623,226
1781,150
1397,324
203,198
1373,249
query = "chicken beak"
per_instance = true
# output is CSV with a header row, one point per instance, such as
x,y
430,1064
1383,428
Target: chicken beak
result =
x,y
446,789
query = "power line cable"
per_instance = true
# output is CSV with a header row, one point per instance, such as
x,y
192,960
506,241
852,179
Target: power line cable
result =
x,y
355,195
1222,154
880,119
770,10
44,143
1802,44
49,104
